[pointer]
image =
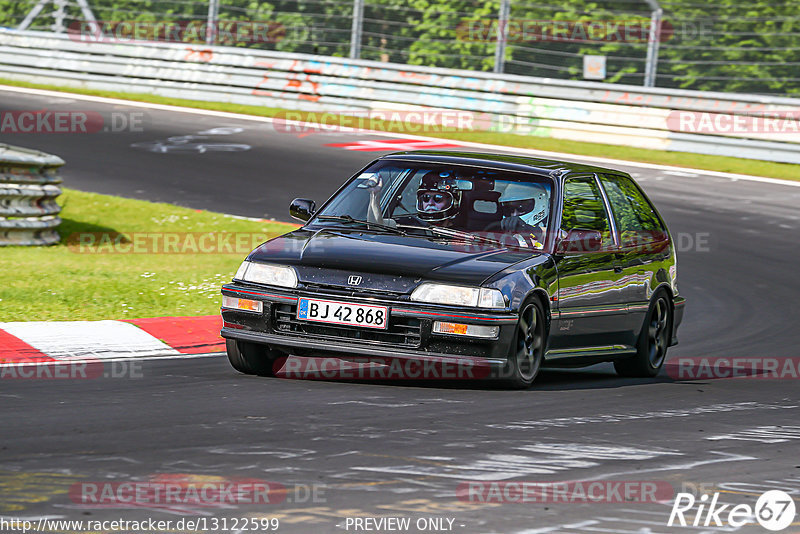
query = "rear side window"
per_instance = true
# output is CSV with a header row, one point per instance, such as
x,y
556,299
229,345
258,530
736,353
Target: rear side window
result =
x,y
584,208
636,219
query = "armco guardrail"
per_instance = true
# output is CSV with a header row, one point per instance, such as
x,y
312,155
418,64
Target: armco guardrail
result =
x,y
689,121
28,191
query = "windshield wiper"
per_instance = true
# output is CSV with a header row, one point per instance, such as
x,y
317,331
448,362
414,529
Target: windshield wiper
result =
x,y
450,232
368,224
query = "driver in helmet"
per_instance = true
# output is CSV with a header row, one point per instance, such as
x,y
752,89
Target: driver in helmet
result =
x,y
524,207
438,198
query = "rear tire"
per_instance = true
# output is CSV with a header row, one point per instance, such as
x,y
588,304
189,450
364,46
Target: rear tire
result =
x,y
526,353
252,358
651,348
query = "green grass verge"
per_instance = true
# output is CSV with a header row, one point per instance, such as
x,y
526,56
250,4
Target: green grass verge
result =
x,y
679,159
126,276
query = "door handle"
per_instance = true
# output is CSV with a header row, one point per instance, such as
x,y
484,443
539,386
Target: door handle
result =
x,y
617,269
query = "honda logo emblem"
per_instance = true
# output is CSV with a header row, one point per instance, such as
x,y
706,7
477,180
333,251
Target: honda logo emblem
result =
x,y
353,280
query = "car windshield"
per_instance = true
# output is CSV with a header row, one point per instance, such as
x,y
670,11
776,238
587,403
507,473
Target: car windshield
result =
x,y
445,200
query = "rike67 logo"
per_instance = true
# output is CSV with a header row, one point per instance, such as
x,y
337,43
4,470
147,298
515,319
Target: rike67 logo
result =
x,y
774,510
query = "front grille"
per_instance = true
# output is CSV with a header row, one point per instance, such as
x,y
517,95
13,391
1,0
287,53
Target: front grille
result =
x,y
402,331
344,291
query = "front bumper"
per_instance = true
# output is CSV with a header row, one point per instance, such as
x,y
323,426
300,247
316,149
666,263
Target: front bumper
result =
x,y
409,335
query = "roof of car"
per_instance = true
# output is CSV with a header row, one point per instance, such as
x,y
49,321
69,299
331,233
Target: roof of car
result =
x,y
498,161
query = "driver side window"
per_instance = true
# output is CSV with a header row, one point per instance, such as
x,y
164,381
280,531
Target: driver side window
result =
x,y
584,208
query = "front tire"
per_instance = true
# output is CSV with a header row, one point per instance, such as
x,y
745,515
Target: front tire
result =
x,y
526,353
251,358
651,348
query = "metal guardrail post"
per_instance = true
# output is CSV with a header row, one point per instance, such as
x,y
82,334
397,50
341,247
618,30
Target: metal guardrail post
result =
x,y
502,36
211,23
28,191
358,24
654,37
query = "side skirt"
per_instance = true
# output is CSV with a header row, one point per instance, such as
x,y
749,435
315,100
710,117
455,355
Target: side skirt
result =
x,y
583,356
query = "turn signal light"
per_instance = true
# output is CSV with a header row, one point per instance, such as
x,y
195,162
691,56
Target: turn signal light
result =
x,y
473,330
242,304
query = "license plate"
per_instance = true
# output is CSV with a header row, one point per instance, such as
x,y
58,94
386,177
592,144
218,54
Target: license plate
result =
x,y
328,311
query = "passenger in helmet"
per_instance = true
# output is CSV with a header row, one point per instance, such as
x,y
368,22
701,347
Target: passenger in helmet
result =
x,y
524,207
438,197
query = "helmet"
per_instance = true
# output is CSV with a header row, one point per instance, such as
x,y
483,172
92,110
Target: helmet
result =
x,y
438,196
529,201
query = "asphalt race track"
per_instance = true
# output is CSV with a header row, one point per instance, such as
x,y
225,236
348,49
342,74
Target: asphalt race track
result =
x,y
346,449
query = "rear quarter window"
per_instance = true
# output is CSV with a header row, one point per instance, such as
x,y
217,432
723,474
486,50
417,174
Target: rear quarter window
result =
x,y
636,219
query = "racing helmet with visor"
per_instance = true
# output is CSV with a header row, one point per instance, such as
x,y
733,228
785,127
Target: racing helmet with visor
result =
x,y
528,201
438,196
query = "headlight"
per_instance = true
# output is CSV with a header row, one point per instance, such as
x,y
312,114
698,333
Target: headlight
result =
x,y
271,275
476,297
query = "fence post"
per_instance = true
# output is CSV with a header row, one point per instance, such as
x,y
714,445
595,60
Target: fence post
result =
x,y
358,23
59,24
211,23
502,36
28,191
654,37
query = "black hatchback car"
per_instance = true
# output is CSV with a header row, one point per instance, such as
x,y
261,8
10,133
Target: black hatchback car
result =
x,y
499,262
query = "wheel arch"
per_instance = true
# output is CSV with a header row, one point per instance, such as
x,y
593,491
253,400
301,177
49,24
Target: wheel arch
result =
x,y
670,294
670,301
540,294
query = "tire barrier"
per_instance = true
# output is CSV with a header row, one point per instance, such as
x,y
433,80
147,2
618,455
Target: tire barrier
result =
x,y
724,124
28,190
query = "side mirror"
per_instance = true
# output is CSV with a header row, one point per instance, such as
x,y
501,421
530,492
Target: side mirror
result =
x,y
302,208
578,240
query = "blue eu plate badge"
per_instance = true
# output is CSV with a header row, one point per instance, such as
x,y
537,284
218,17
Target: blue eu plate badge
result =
x,y
302,309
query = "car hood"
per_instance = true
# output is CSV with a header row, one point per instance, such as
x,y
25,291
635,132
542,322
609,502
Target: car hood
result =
x,y
394,262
